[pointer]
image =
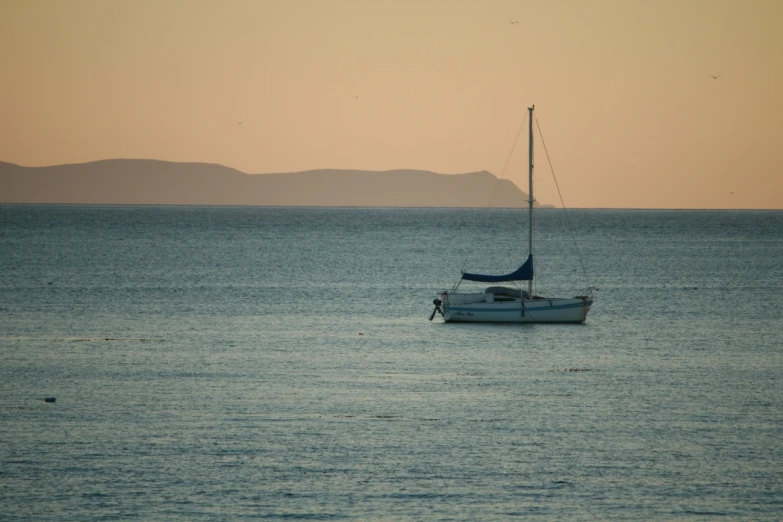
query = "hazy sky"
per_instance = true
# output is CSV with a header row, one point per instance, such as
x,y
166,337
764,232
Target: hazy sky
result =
x,y
622,89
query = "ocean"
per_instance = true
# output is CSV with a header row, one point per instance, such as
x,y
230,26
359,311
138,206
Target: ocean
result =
x,y
234,363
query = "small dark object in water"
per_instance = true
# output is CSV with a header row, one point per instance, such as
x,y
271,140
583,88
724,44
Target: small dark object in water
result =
x,y
49,399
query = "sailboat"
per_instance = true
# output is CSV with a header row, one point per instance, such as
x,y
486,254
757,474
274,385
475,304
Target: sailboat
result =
x,y
502,304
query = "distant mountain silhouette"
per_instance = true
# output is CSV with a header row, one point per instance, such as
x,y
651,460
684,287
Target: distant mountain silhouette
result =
x,y
153,182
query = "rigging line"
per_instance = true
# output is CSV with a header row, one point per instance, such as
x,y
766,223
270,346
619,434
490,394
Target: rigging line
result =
x,y
505,163
502,174
568,221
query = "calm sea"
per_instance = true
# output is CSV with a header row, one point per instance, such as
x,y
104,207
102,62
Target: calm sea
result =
x,y
239,363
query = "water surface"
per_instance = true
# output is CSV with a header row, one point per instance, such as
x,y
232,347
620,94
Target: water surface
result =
x,y
236,363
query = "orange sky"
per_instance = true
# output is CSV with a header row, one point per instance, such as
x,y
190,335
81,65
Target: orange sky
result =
x,y
622,89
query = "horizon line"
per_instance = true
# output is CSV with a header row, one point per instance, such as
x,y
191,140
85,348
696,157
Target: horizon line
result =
x,y
548,208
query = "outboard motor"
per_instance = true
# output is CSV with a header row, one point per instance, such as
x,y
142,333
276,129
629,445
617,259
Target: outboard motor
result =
x,y
437,303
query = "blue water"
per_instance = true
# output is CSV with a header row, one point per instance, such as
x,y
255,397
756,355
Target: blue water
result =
x,y
239,363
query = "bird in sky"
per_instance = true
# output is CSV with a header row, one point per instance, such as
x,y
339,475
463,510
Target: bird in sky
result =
x,y
714,77
512,22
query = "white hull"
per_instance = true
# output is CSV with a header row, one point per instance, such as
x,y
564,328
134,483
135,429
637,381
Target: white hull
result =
x,y
481,308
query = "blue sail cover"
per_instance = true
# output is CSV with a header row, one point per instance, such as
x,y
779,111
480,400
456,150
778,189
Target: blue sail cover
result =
x,y
523,273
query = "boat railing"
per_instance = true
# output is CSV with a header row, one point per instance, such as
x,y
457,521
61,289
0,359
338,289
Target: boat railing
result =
x,y
586,292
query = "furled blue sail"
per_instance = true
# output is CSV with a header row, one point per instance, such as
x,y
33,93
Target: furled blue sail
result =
x,y
523,273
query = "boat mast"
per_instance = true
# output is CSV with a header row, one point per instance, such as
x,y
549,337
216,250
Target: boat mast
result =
x,y
530,192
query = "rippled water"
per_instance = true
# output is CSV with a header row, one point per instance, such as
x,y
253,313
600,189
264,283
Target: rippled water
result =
x,y
235,363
